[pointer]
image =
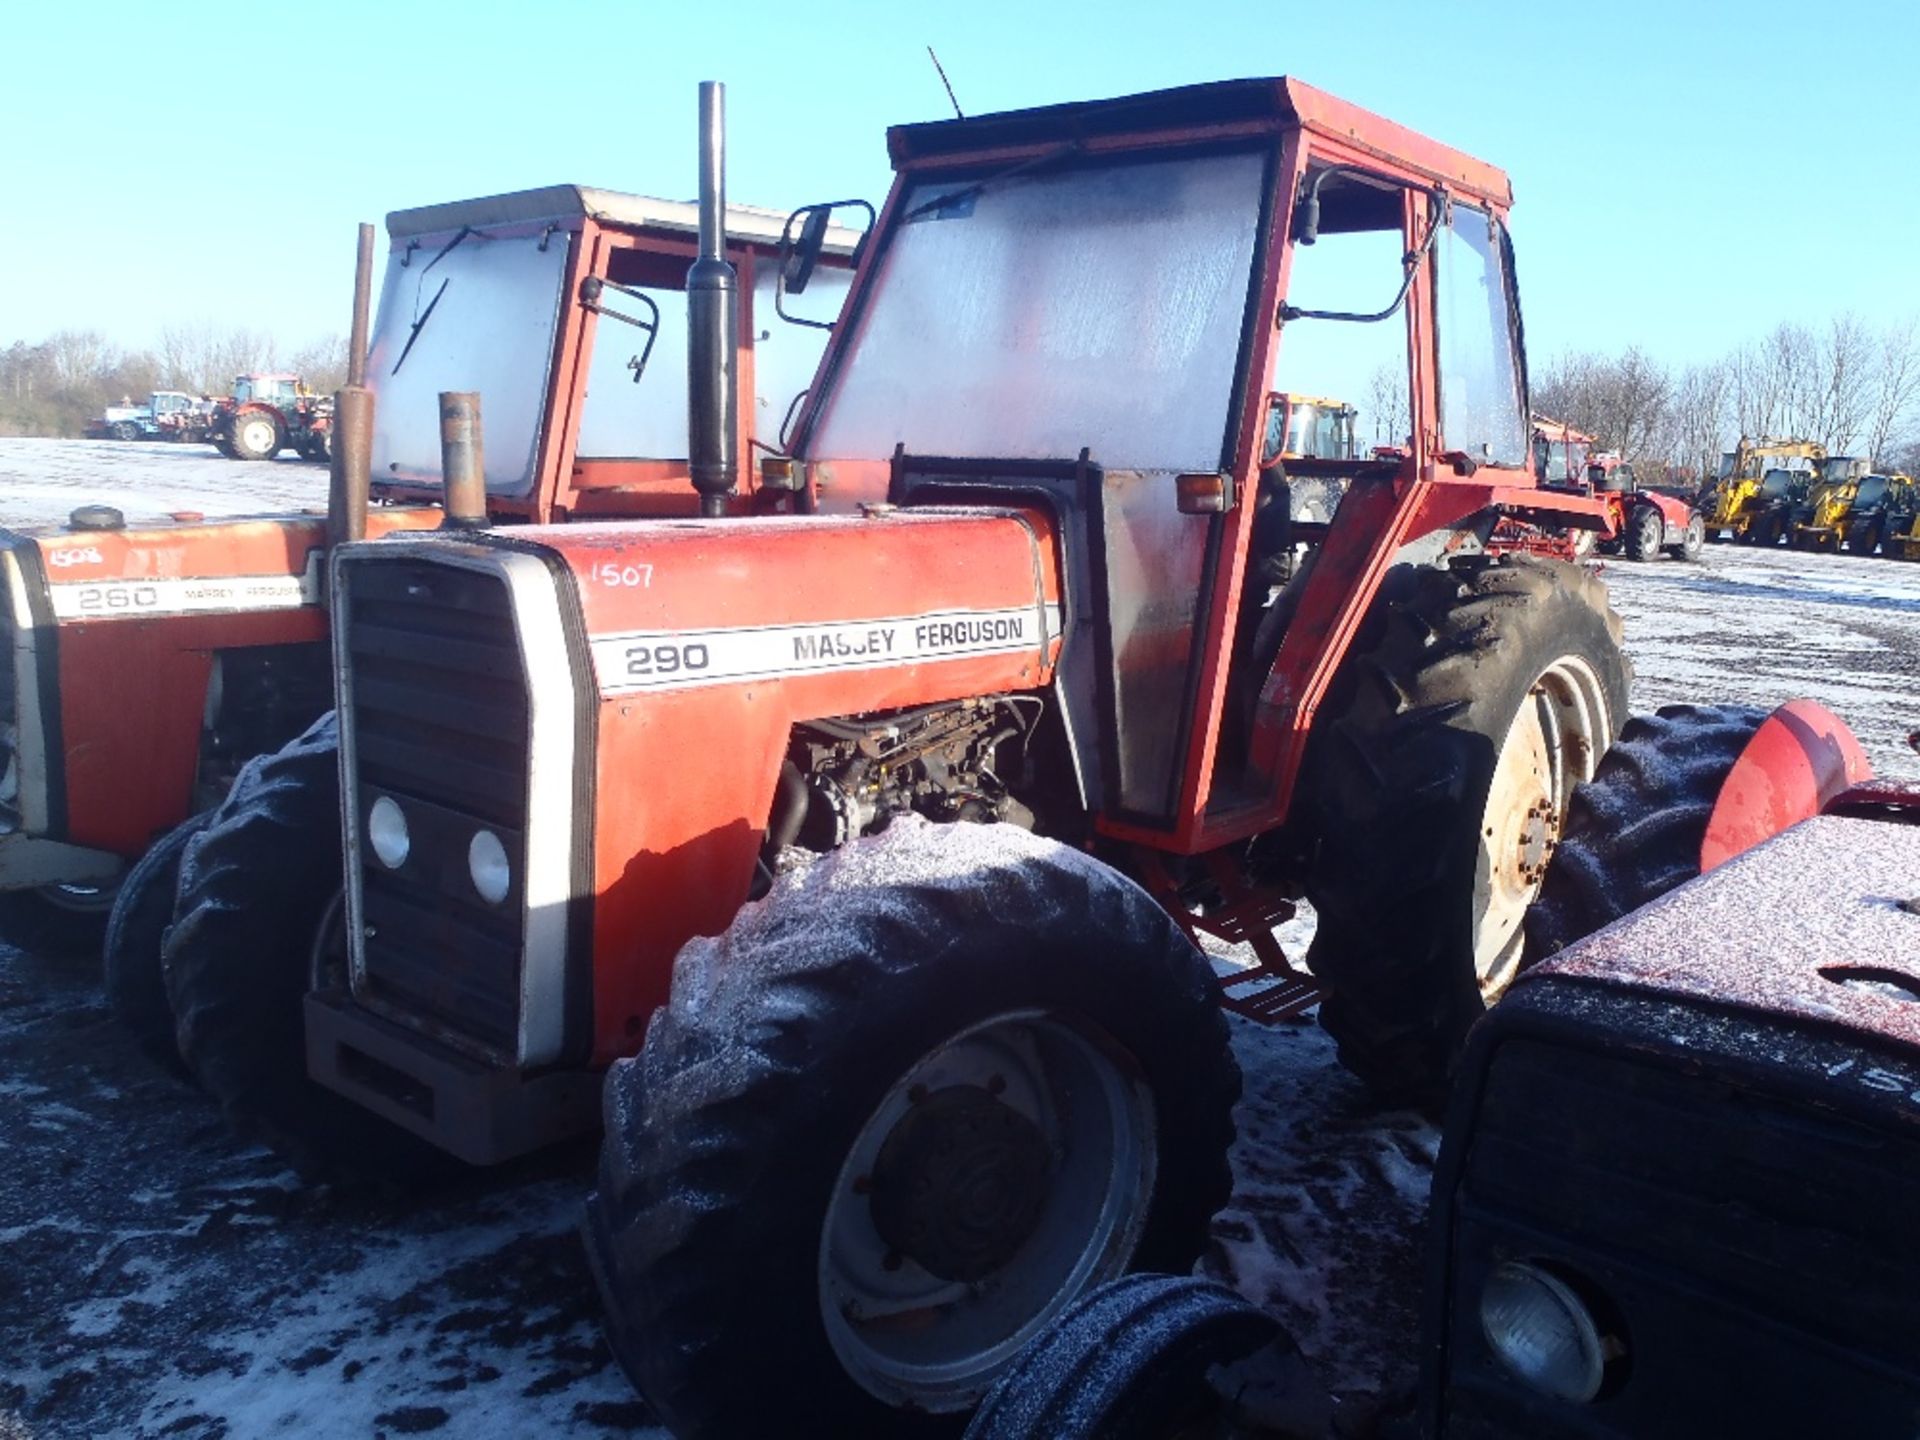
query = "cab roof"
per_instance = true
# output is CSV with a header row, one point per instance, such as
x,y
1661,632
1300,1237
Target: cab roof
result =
x,y
1229,106
563,203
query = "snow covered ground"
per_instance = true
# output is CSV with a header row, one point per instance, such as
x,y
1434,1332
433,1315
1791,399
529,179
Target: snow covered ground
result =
x,y
41,481
157,1278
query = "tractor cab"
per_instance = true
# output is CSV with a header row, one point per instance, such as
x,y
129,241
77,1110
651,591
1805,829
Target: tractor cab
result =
x,y
1611,475
1251,247
279,390
566,309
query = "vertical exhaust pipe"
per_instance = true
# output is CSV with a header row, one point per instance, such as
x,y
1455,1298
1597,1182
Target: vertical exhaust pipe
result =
x,y
713,329
350,474
463,466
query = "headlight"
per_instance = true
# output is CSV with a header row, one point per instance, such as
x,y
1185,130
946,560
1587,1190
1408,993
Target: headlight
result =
x,y
387,832
1543,1332
487,864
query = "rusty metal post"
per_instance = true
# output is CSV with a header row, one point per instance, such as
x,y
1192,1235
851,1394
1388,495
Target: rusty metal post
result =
x,y
463,465
350,477
713,323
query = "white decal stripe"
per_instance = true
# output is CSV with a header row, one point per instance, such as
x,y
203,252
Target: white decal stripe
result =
x,y
673,659
131,599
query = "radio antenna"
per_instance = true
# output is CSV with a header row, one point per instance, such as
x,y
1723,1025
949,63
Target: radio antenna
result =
x,y
958,113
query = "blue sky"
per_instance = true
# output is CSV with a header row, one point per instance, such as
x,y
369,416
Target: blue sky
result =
x,y
1687,173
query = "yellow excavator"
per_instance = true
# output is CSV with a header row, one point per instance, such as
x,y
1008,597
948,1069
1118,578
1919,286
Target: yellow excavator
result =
x,y
1743,500
1851,506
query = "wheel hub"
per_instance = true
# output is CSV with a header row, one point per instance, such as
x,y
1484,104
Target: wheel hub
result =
x,y
1539,832
959,1185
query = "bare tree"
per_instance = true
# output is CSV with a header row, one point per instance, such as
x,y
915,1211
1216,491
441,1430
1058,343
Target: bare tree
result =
x,y
199,358
1841,401
1387,401
1895,385
322,363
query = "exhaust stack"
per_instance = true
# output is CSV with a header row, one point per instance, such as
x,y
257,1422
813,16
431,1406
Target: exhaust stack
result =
x,y
350,474
713,402
463,466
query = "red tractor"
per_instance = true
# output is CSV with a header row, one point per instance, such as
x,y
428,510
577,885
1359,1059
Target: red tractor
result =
x,y
1642,523
1675,1190
147,663
266,414
844,848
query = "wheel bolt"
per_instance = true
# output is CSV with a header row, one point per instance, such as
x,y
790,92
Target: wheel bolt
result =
x,y
863,1184
917,1095
892,1260
996,1084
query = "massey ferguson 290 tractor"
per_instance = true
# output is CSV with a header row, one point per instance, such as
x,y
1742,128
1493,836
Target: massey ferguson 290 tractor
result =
x,y
147,661
863,824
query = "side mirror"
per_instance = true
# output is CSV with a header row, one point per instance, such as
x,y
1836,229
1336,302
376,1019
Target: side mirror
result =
x,y
802,247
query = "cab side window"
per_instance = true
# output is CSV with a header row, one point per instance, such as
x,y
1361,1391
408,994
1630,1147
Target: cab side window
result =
x,y
1480,402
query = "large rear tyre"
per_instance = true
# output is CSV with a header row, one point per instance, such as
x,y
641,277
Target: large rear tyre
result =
x,y
1634,832
136,928
896,1118
257,435
1436,785
1130,1361
256,918
57,922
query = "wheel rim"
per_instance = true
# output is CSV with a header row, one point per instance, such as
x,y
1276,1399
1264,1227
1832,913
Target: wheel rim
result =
x,y
1009,1169
80,899
1552,745
256,435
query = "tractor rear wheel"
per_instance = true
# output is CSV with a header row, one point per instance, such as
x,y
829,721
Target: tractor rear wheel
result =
x,y
257,919
1646,530
895,1119
1435,786
124,430
1634,831
136,929
1693,539
57,922
257,435
1135,1359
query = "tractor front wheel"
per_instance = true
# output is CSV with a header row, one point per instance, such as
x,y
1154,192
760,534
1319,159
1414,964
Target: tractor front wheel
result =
x,y
57,922
1435,788
1646,530
256,922
1151,1357
1693,540
136,929
902,1113
1634,832
1864,537
257,435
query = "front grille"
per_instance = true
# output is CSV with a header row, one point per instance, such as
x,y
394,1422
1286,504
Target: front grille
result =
x,y
439,716
1740,1194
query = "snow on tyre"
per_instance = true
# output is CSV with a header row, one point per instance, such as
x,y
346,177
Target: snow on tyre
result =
x,y
1131,1358
257,921
907,1108
1634,832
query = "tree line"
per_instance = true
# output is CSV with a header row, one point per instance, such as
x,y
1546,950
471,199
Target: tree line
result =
x,y
1852,387
53,387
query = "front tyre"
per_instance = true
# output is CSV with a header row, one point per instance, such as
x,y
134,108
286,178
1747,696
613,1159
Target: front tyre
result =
x,y
1693,540
1634,831
257,435
1436,784
257,916
136,928
1133,1359
895,1119
57,922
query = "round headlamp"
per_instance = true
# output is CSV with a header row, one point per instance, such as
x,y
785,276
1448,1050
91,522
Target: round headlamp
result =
x,y
1543,1332
387,832
487,864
